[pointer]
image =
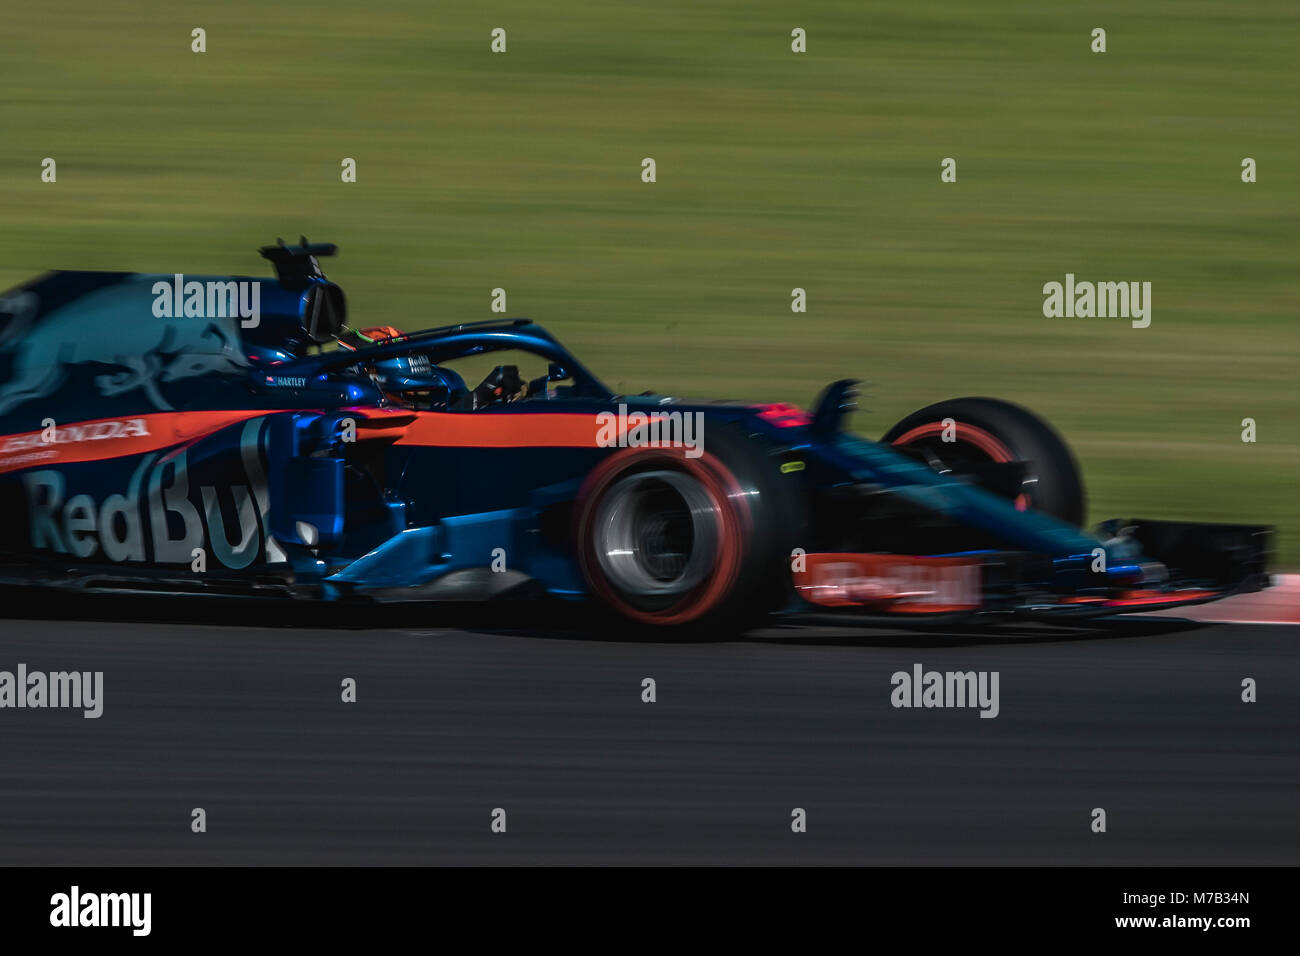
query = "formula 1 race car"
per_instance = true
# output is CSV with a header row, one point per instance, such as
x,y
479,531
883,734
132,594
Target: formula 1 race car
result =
x,y
235,435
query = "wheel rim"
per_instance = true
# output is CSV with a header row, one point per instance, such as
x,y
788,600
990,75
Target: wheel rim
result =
x,y
656,535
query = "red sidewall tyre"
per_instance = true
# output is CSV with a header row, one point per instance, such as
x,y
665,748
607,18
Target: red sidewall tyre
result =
x,y
1003,432
749,516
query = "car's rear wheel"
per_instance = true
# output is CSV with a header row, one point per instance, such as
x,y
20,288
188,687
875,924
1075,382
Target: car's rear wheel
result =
x,y
673,541
1001,446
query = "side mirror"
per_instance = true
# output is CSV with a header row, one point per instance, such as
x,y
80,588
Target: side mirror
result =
x,y
555,372
324,311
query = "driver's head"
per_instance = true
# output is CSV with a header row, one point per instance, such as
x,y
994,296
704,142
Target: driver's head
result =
x,y
415,380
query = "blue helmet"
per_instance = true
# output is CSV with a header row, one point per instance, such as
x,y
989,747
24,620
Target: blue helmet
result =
x,y
414,379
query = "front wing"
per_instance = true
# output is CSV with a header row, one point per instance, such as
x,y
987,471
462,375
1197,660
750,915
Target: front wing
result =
x,y
1179,563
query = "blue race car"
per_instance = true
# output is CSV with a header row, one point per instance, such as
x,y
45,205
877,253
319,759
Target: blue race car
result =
x,y
234,435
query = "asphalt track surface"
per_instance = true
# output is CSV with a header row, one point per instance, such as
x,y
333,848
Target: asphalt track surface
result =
x,y
462,711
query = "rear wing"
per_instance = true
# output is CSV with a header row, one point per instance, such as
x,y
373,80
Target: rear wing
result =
x,y
296,265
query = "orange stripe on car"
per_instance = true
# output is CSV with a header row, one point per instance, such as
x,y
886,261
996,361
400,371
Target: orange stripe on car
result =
x,y
104,438
480,430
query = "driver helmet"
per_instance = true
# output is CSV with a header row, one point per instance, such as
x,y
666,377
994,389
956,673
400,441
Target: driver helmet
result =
x,y
413,378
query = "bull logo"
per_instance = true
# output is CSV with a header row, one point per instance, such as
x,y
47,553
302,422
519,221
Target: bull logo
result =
x,y
112,327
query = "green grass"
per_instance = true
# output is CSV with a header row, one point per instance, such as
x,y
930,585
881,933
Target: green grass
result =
x,y
775,170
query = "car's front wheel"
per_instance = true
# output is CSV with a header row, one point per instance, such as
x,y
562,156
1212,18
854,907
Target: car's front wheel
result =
x,y
1001,446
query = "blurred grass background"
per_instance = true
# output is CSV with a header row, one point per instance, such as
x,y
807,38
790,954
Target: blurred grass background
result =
x,y
775,170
